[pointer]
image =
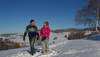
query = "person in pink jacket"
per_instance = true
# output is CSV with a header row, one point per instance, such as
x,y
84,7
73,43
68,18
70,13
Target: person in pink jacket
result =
x,y
44,34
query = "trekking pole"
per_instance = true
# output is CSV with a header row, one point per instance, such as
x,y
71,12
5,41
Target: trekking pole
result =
x,y
25,24
24,44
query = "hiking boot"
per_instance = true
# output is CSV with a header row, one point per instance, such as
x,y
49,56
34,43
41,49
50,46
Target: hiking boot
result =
x,y
43,53
33,53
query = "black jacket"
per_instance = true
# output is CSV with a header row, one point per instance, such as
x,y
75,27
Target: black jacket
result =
x,y
32,31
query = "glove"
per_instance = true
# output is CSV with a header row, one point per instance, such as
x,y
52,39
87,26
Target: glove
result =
x,y
38,37
44,38
23,38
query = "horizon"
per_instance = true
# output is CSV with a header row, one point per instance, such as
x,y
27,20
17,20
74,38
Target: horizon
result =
x,y
59,13
39,30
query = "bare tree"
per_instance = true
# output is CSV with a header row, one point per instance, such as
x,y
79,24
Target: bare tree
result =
x,y
89,14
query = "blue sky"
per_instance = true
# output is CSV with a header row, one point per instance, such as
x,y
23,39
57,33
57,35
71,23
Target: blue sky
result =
x,y
59,13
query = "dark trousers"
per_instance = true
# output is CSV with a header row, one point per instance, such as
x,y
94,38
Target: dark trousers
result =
x,y
32,42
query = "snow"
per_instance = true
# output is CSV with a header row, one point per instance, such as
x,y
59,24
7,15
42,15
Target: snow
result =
x,y
94,38
87,47
26,54
88,32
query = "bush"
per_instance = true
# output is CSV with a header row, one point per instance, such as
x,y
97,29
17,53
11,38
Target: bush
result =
x,y
15,45
76,35
6,44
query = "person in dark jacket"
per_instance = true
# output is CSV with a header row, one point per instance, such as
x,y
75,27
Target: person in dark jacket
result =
x,y
31,30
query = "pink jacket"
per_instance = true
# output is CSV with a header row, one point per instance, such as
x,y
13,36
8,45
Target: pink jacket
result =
x,y
45,32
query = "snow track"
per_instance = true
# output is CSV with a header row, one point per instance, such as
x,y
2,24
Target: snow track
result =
x,y
38,54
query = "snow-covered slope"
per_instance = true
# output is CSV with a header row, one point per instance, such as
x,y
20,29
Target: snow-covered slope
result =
x,y
62,48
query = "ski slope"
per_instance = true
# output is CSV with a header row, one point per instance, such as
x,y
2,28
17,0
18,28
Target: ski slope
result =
x,y
87,47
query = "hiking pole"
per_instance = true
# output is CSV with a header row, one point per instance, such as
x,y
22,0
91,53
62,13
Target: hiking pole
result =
x,y
24,49
24,44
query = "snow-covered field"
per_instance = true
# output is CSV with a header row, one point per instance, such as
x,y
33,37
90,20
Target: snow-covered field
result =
x,y
62,47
